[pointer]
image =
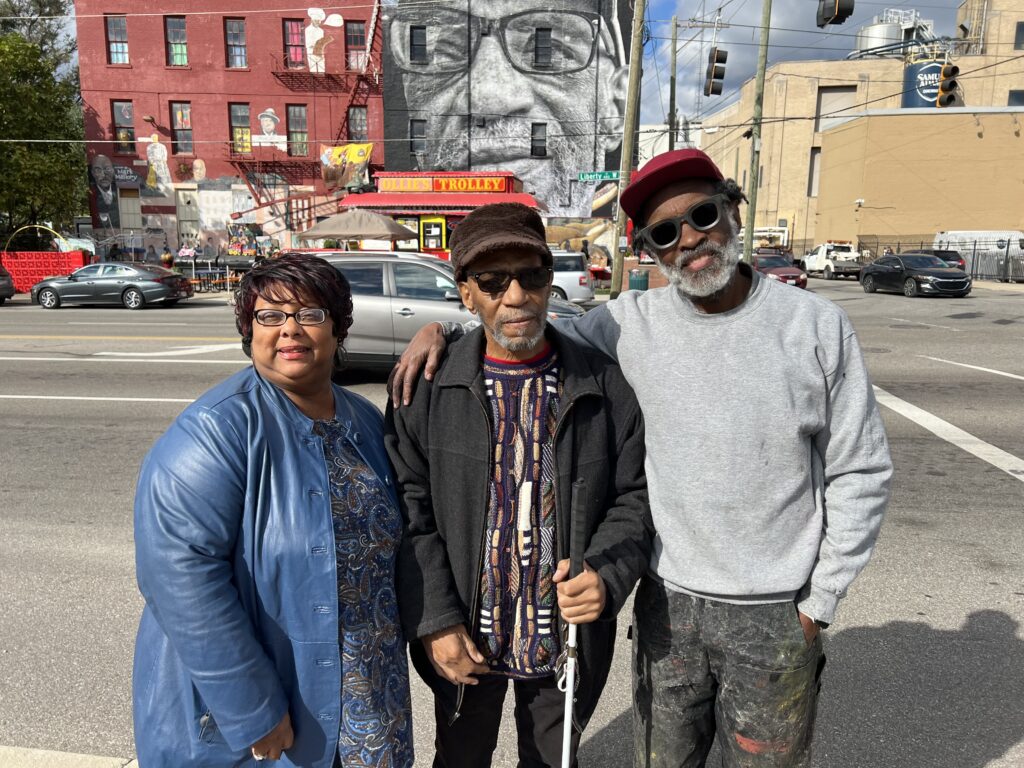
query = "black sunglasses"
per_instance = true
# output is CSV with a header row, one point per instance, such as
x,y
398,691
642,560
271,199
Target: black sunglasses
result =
x,y
703,217
495,281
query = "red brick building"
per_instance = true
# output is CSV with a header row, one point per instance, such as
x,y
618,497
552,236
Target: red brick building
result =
x,y
204,127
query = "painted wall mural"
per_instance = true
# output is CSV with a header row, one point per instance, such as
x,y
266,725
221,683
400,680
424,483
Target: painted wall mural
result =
x,y
317,39
266,135
346,165
101,173
537,88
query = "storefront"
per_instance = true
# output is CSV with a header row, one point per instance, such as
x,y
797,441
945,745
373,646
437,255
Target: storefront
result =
x,y
433,203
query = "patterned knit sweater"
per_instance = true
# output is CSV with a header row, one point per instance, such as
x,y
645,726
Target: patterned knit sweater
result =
x,y
517,628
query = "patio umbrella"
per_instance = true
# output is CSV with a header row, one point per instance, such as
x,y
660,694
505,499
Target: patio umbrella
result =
x,y
358,224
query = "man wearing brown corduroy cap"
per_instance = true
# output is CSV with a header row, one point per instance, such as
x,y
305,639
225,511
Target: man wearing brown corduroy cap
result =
x,y
520,437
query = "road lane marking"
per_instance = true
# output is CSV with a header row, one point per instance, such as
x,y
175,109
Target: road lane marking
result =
x,y
120,338
99,399
929,325
997,457
176,351
124,360
975,367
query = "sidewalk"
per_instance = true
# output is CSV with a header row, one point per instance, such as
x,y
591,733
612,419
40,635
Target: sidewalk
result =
x,y
19,757
997,286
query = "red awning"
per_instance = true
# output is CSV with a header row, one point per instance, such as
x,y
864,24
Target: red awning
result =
x,y
442,202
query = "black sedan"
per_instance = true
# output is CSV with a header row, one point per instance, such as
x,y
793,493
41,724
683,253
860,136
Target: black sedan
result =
x,y
130,285
6,285
915,275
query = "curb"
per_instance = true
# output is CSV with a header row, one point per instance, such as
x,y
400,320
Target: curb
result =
x,y
21,757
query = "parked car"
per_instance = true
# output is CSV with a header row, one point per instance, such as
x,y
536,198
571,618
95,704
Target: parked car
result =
x,y
395,294
131,285
6,285
780,268
573,281
775,250
915,274
951,257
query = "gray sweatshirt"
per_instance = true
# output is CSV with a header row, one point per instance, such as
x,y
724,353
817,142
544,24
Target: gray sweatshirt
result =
x,y
767,462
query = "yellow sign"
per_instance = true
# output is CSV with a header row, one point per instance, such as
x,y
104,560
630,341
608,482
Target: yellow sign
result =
x,y
469,184
345,165
405,184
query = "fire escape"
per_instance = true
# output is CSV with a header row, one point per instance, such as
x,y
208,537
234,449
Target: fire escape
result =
x,y
268,172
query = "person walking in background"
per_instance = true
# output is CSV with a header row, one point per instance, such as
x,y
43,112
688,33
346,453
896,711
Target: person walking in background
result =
x,y
266,532
520,430
768,468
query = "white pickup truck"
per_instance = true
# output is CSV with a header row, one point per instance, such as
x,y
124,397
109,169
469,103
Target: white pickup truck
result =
x,y
832,259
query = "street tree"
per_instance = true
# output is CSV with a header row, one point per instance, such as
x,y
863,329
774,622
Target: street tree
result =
x,y
46,23
42,161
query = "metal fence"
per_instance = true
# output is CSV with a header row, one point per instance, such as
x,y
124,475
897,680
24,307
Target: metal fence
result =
x,y
992,258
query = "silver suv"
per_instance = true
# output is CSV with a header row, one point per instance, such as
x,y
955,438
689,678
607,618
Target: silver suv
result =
x,y
573,281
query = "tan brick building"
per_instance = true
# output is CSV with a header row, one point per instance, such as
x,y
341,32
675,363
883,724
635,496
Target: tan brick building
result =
x,y
834,132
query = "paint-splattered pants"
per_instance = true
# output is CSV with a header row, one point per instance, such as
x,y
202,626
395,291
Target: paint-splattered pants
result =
x,y
703,666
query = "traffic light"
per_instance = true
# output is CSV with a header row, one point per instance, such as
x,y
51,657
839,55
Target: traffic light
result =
x,y
946,97
834,11
716,72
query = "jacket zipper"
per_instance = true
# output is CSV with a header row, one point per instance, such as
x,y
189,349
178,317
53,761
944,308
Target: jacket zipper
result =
x,y
473,604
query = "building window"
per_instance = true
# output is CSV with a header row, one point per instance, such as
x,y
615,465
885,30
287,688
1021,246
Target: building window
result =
x,y
181,127
833,99
417,136
130,206
241,132
542,48
418,45
814,172
1018,38
355,45
234,43
298,132
124,127
177,43
1016,99
539,140
294,44
117,40
357,124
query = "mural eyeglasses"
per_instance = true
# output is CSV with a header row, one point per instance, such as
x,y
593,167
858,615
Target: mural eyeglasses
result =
x,y
429,41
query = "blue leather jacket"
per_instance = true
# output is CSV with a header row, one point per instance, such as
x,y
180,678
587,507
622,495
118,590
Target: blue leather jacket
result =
x,y
235,557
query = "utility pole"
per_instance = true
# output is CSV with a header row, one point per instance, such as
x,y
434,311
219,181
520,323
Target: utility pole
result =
x,y
755,131
672,91
636,57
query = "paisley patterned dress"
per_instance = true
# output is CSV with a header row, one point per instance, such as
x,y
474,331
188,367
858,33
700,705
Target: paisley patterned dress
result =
x,y
376,725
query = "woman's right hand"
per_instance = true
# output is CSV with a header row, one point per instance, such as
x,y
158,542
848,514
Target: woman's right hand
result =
x,y
423,354
277,741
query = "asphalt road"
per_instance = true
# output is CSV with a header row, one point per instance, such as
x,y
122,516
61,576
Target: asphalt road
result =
x,y
926,660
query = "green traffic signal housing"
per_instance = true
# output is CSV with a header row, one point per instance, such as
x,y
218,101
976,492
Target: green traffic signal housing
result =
x,y
834,11
947,96
716,72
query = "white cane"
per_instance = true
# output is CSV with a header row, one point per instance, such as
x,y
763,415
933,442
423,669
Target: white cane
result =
x,y
567,683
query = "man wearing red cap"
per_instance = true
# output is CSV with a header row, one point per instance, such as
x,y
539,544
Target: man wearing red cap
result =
x,y
768,472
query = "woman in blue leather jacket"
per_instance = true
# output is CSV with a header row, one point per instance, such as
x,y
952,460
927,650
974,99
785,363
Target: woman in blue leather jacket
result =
x,y
266,529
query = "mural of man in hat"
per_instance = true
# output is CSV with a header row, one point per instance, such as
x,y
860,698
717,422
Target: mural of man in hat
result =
x,y
268,135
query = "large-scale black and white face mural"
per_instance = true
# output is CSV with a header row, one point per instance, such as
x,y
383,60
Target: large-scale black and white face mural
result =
x,y
536,87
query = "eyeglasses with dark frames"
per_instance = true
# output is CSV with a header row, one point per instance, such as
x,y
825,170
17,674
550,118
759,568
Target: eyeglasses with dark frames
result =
x,y
496,281
304,316
703,217
534,42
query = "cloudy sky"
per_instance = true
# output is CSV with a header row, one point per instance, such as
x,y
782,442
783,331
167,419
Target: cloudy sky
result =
x,y
794,36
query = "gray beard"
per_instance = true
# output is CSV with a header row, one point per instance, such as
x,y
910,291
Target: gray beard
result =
x,y
711,280
517,343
